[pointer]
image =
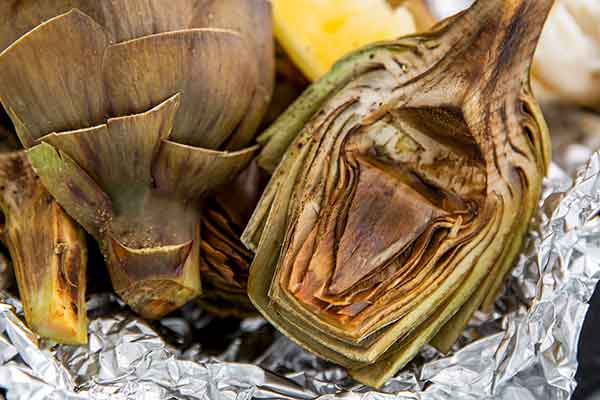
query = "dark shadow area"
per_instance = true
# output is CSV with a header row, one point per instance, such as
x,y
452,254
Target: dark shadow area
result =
x,y
588,373
98,279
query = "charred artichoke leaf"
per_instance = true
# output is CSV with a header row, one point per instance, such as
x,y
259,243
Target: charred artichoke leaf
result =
x,y
225,261
224,266
48,252
136,131
411,172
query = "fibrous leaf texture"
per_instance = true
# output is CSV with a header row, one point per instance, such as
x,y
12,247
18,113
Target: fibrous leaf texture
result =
x,y
132,111
408,177
225,260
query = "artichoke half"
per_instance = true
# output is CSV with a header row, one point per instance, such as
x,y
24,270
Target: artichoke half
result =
x,y
132,112
410,174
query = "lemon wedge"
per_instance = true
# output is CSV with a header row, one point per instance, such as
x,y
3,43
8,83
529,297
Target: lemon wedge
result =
x,y
316,33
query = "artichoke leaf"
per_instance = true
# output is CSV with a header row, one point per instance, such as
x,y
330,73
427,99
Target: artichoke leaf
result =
x,y
225,261
82,86
253,20
71,186
214,102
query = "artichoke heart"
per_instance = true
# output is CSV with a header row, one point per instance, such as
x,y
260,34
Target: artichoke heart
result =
x,y
132,113
407,180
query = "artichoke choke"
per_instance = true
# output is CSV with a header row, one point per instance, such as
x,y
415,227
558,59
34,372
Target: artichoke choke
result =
x,y
408,176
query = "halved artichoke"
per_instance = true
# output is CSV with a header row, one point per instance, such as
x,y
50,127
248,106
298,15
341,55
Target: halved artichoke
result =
x,y
410,174
132,112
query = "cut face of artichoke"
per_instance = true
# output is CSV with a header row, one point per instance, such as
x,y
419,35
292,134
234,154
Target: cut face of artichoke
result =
x,y
411,173
133,111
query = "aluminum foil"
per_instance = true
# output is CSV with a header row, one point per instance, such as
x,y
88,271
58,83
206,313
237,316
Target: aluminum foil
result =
x,y
525,349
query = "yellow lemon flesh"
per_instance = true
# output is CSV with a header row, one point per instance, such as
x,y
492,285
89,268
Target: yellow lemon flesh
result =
x,y
316,33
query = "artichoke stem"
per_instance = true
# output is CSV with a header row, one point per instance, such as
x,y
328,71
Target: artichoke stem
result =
x,y
48,251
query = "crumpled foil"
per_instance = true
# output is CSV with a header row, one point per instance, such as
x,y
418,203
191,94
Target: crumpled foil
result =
x,y
525,349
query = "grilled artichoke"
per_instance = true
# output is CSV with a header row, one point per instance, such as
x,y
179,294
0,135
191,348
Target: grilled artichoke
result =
x,y
398,208
48,251
132,111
